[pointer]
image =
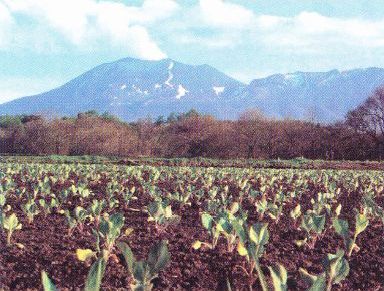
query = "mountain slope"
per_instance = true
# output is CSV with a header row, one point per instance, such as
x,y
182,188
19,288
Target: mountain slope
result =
x,y
132,89
328,96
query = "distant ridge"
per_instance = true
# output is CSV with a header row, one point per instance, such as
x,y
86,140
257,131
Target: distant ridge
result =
x,y
132,88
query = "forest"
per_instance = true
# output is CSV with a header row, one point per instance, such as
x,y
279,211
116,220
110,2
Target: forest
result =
x,y
359,136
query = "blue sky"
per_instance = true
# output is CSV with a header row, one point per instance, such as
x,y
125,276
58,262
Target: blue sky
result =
x,y
44,43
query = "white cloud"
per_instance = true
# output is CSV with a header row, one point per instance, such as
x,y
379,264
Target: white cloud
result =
x,y
213,24
313,32
307,41
83,24
5,16
5,25
155,10
217,24
224,40
220,13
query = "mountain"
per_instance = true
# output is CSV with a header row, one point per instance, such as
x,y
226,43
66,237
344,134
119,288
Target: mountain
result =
x,y
132,89
326,96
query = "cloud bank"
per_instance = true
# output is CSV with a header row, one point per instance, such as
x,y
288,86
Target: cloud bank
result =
x,y
90,26
231,35
84,25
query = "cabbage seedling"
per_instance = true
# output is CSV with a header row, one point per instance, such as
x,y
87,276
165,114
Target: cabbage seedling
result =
x,y
162,214
372,207
226,224
110,230
336,270
214,230
96,208
92,283
30,209
314,225
295,213
342,228
279,277
80,215
10,224
47,207
261,207
47,282
143,272
252,246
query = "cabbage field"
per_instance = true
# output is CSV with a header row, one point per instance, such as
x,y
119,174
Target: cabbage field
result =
x,y
112,226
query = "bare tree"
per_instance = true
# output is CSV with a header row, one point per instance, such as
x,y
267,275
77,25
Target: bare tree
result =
x,y
368,118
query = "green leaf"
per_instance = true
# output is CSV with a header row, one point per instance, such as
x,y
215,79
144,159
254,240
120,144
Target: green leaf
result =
x,y
79,212
95,275
240,231
11,221
342,271
341,227
153,208
110,226
338,210
168,211
47,283
296,212
279,277
317,283
139,271
361,223
158,257
337,266
306,222
318,223
309,278
128,255
234,207
261,206
258,233
207,221
225,225
2,200
320,284
117,220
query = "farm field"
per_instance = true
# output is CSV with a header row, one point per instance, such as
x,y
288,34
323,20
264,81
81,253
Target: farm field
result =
x,y
204,226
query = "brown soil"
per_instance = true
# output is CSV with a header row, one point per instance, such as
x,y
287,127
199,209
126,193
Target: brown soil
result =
x,y
48,247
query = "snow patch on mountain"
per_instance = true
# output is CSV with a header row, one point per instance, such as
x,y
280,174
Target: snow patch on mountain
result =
x,y
137,89
170,74
124,86
294,78
218,90
181,92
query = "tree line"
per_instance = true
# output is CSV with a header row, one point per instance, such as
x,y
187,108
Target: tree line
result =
x,y
359,137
